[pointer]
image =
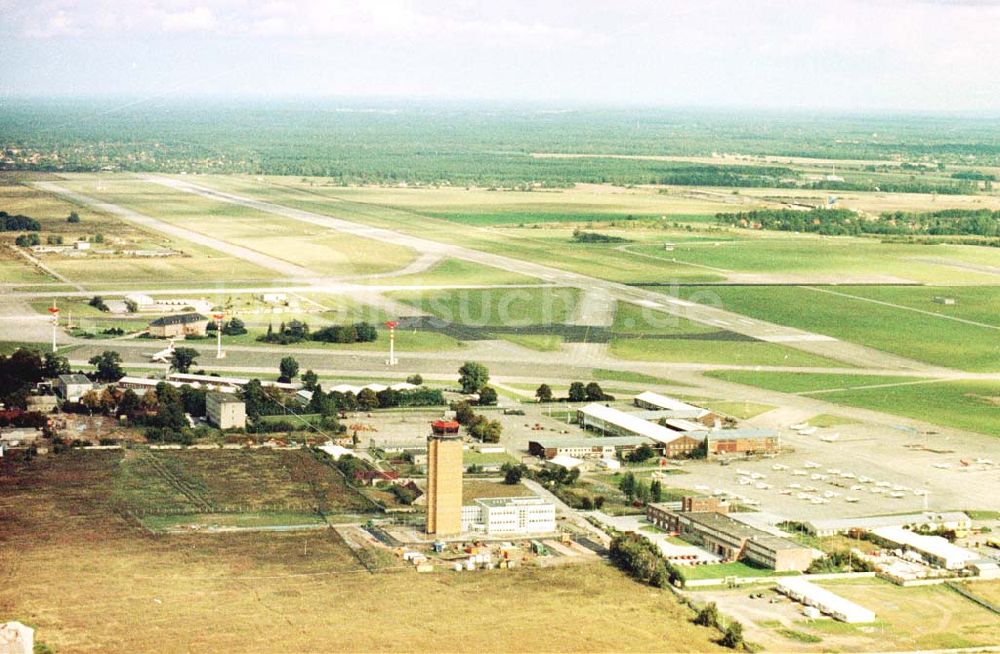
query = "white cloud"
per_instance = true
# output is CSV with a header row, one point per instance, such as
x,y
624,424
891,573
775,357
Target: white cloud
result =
x,y
198,19
60,23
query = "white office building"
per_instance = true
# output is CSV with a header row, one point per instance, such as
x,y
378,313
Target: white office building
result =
x,y
497,516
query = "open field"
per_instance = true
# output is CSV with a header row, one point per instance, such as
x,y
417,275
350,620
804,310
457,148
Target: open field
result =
x,y
522,307
935,339
643,334
317,249
230,481
759,257
806,383
458,272
966,404
922,617
98,584
919,618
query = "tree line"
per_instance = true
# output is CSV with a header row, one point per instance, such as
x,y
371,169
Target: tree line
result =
x,y
977,222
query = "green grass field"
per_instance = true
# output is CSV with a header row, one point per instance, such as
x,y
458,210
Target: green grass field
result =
x,y
968,404
818,257
744,353
644,334
316,248
723,570
933,339
916,618
506,308
804,382
458,272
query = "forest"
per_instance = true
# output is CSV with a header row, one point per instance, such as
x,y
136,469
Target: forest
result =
x,y
477,144
952,222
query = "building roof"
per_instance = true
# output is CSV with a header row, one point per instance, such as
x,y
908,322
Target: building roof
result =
x,y
566,461
729,434
630,422
725,524
666,403
599,441
933,545
74,379
826,600
178,319
499,502
875,521
679,424
224,398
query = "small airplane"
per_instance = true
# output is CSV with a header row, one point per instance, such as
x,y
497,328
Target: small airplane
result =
x,y
163,356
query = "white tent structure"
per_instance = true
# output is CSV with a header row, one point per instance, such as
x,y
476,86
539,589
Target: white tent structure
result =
x,y
828,602
16,638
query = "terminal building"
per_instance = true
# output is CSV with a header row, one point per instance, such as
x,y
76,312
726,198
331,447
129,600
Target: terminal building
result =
x,y
503,516
586,448
612,422
732,540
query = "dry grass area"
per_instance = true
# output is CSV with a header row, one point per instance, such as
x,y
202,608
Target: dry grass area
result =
x,y
91,582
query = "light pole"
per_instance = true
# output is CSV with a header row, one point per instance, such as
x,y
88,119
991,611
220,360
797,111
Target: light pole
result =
x,y
392,324
54,312
219,354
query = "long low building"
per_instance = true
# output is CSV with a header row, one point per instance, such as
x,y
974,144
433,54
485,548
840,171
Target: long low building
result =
x,y
957,520
935,550
732,540
613,422
824,600
586,448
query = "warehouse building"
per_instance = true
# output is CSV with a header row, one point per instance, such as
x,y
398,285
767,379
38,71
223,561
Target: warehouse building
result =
x,y
829,603
612,422
225,411
935,550
182,324
732,540
498,516
587,448
955,520
743,441
669,407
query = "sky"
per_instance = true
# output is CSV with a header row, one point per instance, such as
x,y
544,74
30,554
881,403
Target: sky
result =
x,y
908,55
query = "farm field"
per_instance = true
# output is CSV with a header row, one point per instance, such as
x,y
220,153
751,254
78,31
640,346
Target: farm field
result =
x,y
230,481
964,404
99,584
933,339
